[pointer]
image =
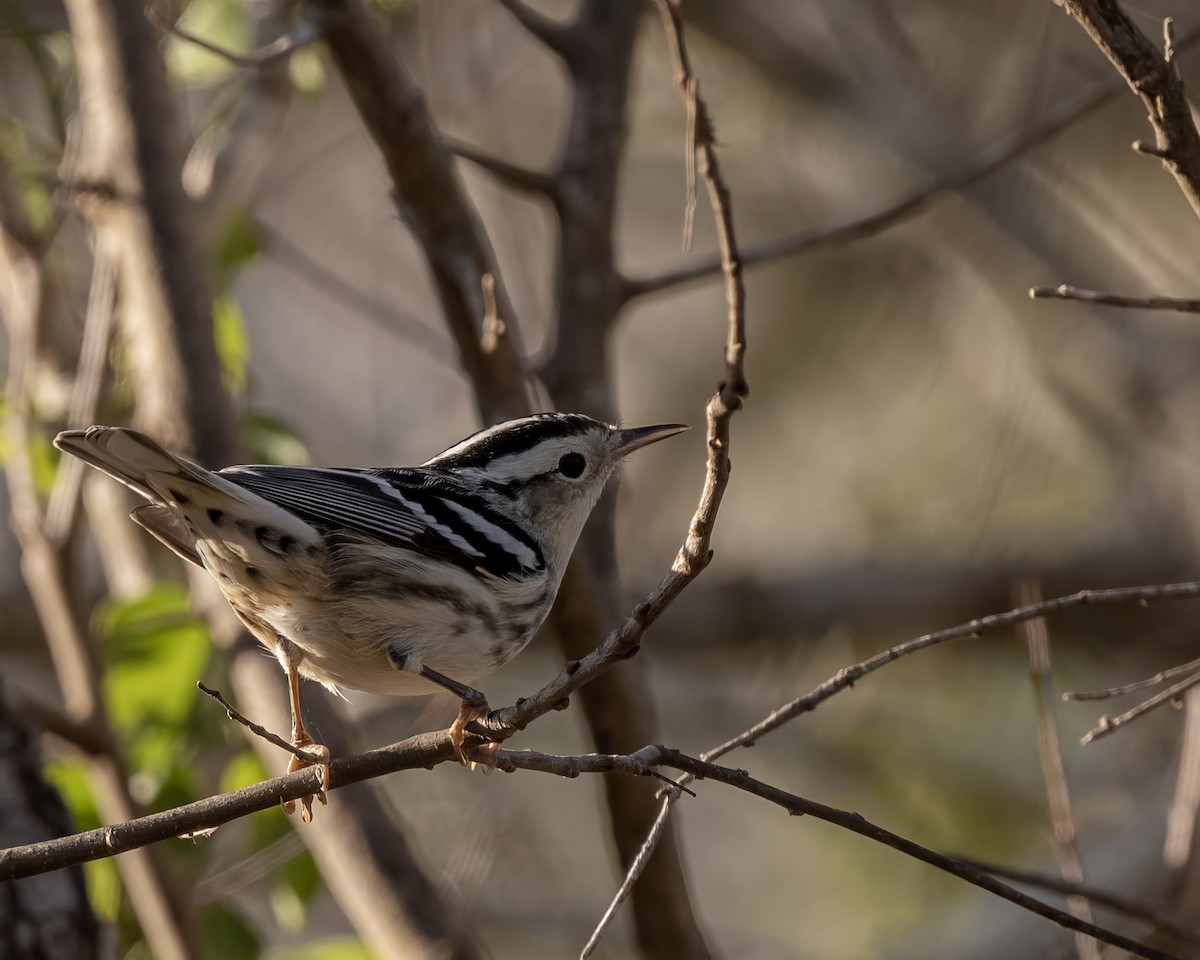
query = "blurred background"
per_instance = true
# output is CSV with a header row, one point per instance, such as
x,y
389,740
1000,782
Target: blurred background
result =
x,y
921,439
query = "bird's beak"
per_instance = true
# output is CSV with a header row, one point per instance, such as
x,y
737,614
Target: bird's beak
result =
x,y
637,437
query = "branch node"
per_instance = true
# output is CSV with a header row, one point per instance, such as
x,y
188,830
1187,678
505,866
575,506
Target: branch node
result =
x,y
312,757
1150,150
555,36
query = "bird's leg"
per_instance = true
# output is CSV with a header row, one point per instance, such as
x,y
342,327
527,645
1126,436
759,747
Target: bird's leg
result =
x,y
473,706
302,740
473,703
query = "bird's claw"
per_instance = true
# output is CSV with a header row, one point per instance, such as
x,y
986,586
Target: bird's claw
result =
x,y
319,754
468,713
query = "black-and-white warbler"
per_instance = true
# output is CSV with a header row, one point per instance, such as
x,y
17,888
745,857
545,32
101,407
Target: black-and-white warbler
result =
x,y
383,580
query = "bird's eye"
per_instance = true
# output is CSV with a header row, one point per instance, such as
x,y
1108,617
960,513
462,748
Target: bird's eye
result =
x,y
571,465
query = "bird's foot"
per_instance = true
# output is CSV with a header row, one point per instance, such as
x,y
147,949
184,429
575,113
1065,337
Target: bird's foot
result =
x,y
472,708
319,754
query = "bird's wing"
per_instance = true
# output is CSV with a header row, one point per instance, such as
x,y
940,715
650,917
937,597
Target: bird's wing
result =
x,y
409,508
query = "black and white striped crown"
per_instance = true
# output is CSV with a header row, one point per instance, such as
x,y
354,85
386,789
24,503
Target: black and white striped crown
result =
x,y
512,437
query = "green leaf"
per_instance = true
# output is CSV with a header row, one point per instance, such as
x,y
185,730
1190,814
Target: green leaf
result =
x,y
239,245
233,346
307,72
271,440
228,936
39,206
335,948
244,769
43,457
157,648
293,887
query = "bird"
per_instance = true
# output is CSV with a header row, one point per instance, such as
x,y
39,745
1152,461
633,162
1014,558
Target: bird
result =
x,y
393,580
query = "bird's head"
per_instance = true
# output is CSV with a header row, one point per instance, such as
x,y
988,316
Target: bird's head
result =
x,y
550,468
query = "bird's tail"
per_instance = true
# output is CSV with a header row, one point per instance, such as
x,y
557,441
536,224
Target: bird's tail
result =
x,y
138,462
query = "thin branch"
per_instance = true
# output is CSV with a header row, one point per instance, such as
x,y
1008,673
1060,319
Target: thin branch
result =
x,y
856,823
1058,795
1134,909
387,318
555,36
1107,693
1179,842
986,161
1154,76
429,198
519,178
304,35
1109,725
258,730
848,676
160,915
695,554
1065,292
636,869
689,86
429,749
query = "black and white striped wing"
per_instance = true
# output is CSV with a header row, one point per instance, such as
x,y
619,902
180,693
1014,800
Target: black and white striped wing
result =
x,y
410,509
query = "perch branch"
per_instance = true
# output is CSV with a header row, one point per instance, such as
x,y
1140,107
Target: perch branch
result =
x,y
427,749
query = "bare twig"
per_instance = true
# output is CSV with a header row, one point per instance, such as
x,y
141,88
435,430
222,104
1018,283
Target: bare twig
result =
x,y
636,869
493,326
1181,818
1161,677
695,553
689,86
1108,725
519,178
1066,846
429,198
1066,292
257,729
285,46
848,676
992,157
1153,76
617,706
386,317
1102,898
162,919
555,36
435,748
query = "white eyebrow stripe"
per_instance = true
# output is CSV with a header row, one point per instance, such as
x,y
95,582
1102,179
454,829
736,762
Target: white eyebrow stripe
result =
x,y
497,535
